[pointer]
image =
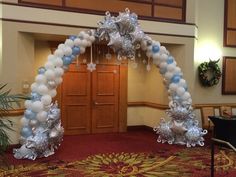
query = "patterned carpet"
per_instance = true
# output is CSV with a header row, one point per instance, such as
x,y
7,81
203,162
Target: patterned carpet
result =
x,y
130,154
194,162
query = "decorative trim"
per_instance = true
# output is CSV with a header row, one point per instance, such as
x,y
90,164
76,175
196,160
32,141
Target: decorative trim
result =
x,y
215,105
95,12
164,107
173,35
15,112
148,104
46,23
79,26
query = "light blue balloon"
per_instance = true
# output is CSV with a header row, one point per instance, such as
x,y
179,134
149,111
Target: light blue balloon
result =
x,y
41,70
162,70
155,48
170,60
75,50
176,78
35,96
73,57
67,60
72,37
26,132
29,114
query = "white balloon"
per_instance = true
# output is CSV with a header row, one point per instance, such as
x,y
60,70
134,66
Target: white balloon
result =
x,y
82,50
69,43
89,43
59,72
61,46
170,67
59,53
58,62
182,82
190,100
77,42
177,70
83,43
163,65
156,56
46,100
51,57
180,91
42,116
34,87
24,121
33,123
92,38
49,65
168,75
82,33
40,79
28,104
163,50
37,106
53,93
58,80
50,74
67,51
186,96
173,87
42,89
86,36
163,57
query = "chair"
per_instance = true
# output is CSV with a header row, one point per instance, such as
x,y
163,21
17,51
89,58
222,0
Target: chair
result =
x,y
224,134
205,113
225,111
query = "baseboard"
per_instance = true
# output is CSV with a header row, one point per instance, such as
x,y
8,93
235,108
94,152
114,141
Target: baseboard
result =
x,y
139,127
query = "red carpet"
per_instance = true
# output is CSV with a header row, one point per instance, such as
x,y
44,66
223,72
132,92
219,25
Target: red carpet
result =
x,y
135,154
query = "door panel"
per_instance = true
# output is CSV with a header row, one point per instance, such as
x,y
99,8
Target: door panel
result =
x,y
105,91
76,100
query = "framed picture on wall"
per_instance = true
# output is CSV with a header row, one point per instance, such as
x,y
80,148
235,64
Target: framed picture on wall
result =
x,y
229,76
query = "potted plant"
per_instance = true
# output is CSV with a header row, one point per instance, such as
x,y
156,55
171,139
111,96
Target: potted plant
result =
x,y
7,102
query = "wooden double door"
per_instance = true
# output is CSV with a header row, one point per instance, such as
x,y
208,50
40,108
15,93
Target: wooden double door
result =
x,y
90,100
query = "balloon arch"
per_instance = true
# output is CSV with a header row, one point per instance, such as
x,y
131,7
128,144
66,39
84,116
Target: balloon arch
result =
x,y
42,132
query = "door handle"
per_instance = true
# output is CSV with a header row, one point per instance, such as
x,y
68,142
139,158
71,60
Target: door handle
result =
x,y
95,103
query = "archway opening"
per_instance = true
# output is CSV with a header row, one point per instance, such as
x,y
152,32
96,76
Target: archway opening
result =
x,y
42,132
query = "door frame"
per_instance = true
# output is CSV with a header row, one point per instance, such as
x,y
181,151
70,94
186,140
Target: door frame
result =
x,y
123,98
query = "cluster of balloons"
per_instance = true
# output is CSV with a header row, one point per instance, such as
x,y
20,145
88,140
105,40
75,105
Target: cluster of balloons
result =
x,y
48,78
172,74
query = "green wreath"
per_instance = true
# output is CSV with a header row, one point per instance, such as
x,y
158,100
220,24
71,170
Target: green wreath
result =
x,y
206,68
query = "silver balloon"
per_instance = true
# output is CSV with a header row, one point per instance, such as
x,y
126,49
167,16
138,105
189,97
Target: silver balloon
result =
x,y
138,35
122,32
45,138
164,131
182,128
52,84
115,41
